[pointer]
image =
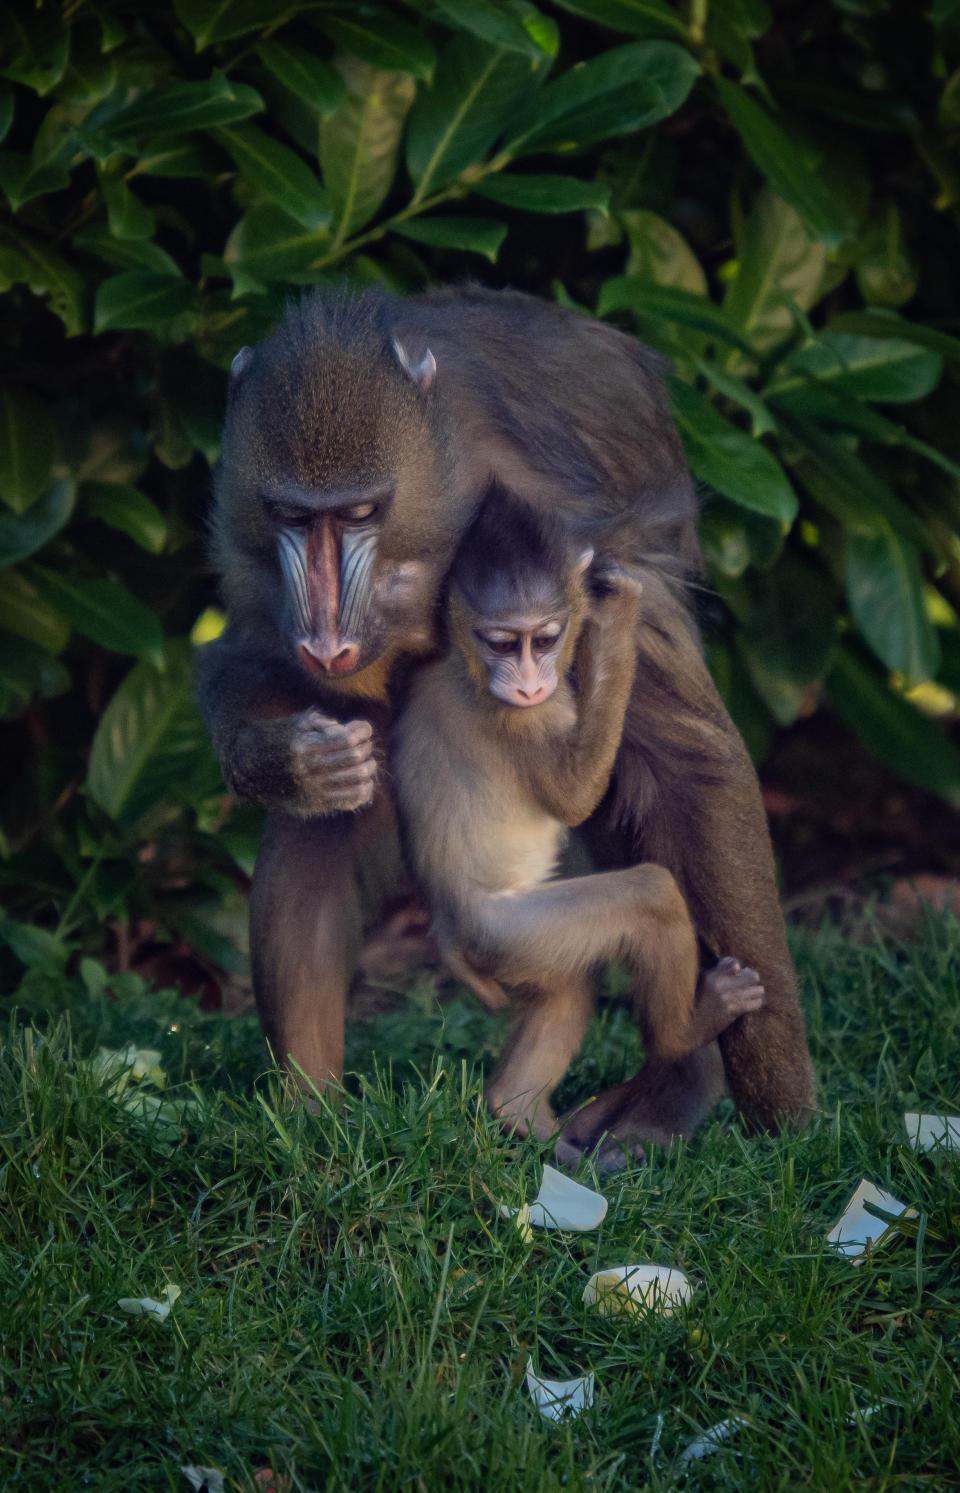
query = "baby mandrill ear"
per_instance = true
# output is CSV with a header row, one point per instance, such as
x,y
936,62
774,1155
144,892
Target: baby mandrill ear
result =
x,y
240,363
583,562
422,373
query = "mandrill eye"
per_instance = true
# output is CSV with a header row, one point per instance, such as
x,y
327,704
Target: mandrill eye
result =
x,y
360,513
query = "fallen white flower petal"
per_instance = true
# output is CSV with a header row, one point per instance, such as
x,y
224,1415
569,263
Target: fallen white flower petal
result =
x,y
712,1439
622,1289
204,1479
117,1065
855,1229
555,1398
523,1223
145,1306
925,1132
562,1203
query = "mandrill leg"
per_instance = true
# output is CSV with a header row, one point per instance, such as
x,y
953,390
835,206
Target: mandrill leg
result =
x,y
547,1035
305,938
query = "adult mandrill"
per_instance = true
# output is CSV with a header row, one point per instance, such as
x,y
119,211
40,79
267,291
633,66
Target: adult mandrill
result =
x,y
359,441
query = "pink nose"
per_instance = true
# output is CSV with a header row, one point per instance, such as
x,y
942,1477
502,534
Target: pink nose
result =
x,y
531,696
329,655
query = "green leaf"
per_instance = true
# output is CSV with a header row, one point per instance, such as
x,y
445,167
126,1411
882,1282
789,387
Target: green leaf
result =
x,y
733,538
729,460
33,946
635,17
620,91
477,235
779,266
660,254
893,371
124,507
310,78
24,535
647,299
785,165
125,254
545,194
49,275
22,180
177,159
141,301
378,37
476,90
149,739
864,110
788,636
891,728
6,111
359,143
128,217
28,448
34,44
277,173
827,404
884,324
847,487
25,672
102,611
268,245
221,20
739,392
24,612
516,28
181,107
885,592
887,273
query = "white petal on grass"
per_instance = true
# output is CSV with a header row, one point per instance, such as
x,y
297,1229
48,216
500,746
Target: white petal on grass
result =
x,y
624,1289
118,1065
711,1440
562,1203
204,1479
856,1230
523,1223
929,1132
145,1306
556,1398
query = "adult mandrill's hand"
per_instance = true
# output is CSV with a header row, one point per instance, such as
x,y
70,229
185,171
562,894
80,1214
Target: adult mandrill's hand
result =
x,y
332,764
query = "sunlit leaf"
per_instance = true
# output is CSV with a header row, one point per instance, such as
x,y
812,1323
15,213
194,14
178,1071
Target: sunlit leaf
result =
x,y
660,254
779,265
359,143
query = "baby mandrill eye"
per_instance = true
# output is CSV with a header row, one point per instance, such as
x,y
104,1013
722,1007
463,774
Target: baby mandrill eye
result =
x,y
498,645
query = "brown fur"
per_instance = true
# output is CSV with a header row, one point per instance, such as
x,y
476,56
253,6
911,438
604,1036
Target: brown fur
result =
x,y
572,416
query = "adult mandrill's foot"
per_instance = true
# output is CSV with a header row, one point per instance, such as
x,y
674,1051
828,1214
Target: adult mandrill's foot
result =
x,y
662,1101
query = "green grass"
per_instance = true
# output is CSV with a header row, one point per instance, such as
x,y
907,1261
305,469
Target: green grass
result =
x,y
355,1312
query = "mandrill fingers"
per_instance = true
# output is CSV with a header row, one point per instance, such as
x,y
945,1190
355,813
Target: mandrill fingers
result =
x,y
333,765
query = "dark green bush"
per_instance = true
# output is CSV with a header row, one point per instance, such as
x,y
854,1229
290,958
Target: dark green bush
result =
x,y
768,195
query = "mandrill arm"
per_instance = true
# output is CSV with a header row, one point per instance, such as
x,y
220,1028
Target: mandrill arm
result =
x,y
275,743
570,771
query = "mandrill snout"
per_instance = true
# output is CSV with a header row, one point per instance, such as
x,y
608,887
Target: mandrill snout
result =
x,y
329,655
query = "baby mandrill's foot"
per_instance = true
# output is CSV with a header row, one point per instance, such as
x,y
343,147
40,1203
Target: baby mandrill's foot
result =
x,y
727,991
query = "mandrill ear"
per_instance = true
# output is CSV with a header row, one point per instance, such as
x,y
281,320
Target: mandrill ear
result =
x,y
422,373
583,562
240,363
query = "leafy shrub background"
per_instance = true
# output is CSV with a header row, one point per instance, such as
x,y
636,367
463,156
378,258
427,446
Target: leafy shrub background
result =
x,y
769,195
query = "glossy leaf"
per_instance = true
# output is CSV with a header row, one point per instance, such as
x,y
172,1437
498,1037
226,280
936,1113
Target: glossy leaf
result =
x,y
544,194
128,217
891,728
22,535
24,612
141,301
892,371
277,173
313,79
885,590
779,265
660,254
149,738
183,107
729,459
785,165
883,325
34,44
221,20
267,244
634,17
499,25
476,235
102,611
647,299
454,122
380,38
359,143
177,159
21,180
738,391
28,448
124,507
626,89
